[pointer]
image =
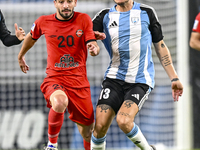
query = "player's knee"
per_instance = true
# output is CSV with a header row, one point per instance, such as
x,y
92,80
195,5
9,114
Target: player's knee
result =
x,y
101,130
59,103
124,122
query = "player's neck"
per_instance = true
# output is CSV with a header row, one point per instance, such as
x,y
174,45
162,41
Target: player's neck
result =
x,y
125,6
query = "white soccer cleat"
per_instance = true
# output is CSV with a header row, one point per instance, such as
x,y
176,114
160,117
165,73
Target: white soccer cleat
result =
x,y
50,147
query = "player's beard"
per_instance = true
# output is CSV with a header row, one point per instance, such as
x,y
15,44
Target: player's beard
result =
x,y
66,16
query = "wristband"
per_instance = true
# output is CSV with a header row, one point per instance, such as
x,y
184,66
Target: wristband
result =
x,y
175,79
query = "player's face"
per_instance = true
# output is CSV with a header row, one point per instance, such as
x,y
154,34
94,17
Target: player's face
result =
x,y
65,8
121,3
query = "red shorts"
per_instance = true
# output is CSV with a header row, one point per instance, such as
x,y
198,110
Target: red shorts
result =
x,y
80,105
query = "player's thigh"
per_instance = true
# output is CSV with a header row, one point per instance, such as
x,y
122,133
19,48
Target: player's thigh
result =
x,y
104,117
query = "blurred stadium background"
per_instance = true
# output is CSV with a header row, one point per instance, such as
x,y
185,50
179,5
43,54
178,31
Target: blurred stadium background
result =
x,y
23,112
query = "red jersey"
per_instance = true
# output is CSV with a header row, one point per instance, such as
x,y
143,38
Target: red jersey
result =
x,y
196,26
66,43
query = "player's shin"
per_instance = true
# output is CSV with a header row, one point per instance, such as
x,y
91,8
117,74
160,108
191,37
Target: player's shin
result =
x,y
136,136
98,144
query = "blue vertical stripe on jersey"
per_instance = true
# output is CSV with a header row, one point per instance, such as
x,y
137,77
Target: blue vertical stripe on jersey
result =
x,y
124,36
145,50
108,38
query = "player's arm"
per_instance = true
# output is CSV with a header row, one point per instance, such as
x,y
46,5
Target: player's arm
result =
x,y
5,35
27,44
165,58
93,48
195,40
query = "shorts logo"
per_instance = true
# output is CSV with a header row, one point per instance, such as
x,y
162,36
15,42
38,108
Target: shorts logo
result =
x,y
137,96
79,33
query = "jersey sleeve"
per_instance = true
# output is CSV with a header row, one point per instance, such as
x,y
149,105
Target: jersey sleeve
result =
x,y
154,27
3,29
98,20
88,30
196,26
5,34
36,31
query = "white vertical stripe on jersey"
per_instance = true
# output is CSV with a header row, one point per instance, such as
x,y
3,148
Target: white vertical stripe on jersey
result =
x,y
134,45
114,32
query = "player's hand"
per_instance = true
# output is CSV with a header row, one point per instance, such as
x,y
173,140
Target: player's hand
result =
x,y
99,35
177,89
19,32
22,63
93,50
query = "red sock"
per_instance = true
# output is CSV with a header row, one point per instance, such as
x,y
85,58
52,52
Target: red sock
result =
x,y
86,145
55,121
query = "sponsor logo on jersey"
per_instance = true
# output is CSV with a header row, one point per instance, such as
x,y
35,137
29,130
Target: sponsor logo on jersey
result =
x,y
33,27
79,33
135,20
113,24
66,61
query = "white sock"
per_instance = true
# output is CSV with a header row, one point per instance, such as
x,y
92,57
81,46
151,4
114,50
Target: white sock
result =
x,y
98,144
138,138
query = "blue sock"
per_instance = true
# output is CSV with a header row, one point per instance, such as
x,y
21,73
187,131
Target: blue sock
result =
x,y
133,132
99,140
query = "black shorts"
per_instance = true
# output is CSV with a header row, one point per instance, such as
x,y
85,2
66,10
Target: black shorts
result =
x,y
114,92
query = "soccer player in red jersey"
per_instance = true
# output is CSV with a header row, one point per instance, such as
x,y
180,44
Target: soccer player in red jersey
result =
x,y
195,35
69,35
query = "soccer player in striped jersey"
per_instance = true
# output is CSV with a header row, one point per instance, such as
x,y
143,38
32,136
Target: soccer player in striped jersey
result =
x,y
129,28
69,36
5,34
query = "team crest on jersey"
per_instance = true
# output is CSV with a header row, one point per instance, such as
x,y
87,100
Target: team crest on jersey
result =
x,y
135,20
33,27
79,33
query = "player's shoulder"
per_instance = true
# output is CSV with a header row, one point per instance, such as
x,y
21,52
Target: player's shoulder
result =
x,y
102,13
147,8
198,16
80,14
46,17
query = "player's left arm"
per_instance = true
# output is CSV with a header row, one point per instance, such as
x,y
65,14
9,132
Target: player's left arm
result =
x,y
93,48
164,56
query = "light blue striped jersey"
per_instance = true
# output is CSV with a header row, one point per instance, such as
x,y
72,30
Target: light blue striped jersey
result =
x,y
129,37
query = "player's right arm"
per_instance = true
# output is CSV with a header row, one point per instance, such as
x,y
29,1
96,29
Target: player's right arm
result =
x,y
27,44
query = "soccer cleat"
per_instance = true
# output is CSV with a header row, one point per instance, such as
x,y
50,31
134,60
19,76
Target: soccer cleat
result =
x,y
50,147
153,147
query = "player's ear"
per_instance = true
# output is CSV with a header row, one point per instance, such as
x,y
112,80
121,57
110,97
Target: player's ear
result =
x,y
54,1
75,1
